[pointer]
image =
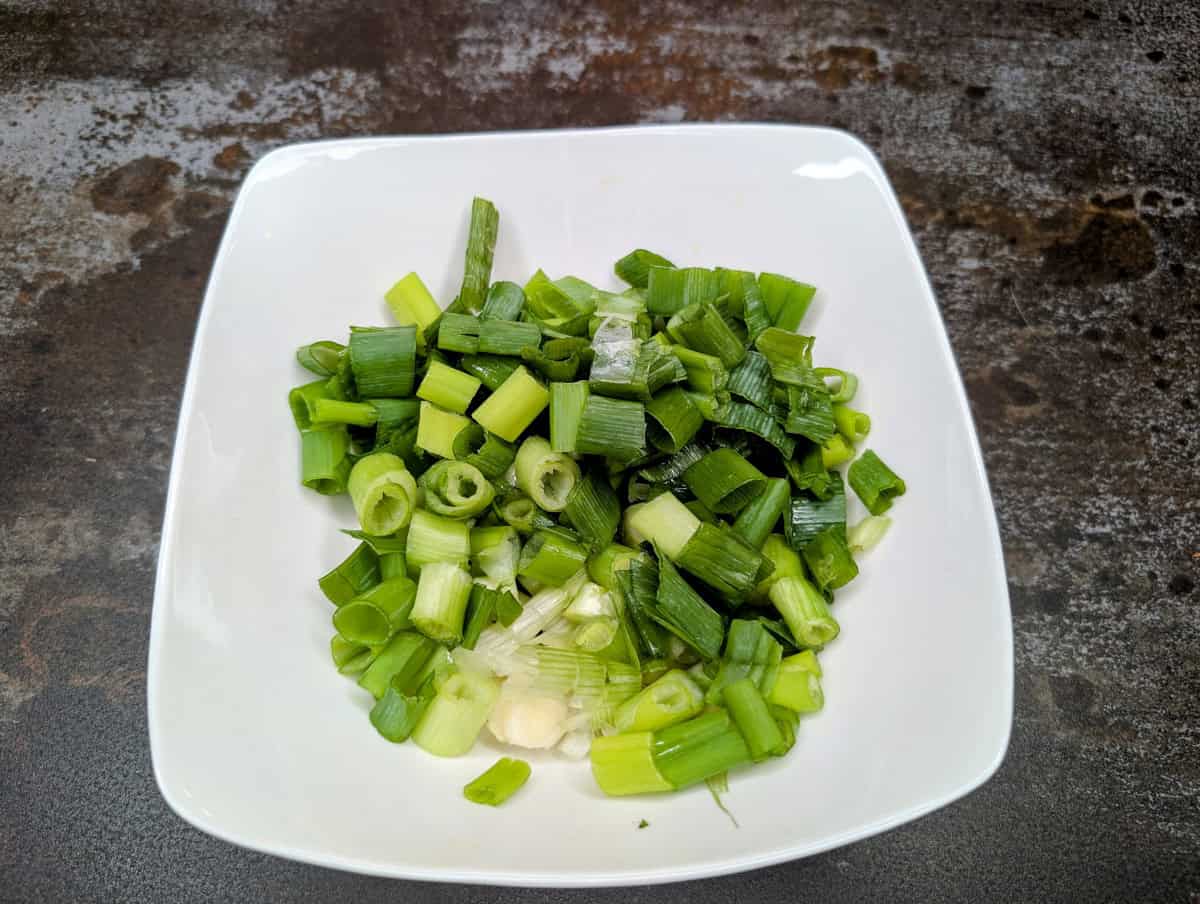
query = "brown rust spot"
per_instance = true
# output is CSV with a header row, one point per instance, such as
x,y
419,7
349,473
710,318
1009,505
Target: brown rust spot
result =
x,y
908,75
243,100
140,186
997,395
231,157
196,206
1110,248
837,67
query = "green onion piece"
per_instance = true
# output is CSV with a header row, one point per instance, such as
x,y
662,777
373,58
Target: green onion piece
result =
x,y
457,714
448,388
505,300
492,370
301,400
499,783
836,451
789,356
705,373
799,684
786,299
355,575
341,384
320,357
615,353
875,483
784,560
740,416
513,407
593,509
384,361
863,536
456,489
412,304
637,587
393,564
703,329
845,387
351,658
432,538
828,559
807,517
496,551
759,517
722,560
754,307
559,359
481,612
810,413
400,662
458,333
701,511
384,493
750,652
753,718
324,465
493,458
680,610
508,337
671,470
481,246
804,611
669,290
362,622
381,545
566,410
441,605
695,750
394,596
521,512
508,609
674,419
614,428
397,713
624,764
546,476
724,481
394,415
551,558
851,424
667,523
671,699
634,267
444,433
333,411
808,472
546,300
751,380
603,566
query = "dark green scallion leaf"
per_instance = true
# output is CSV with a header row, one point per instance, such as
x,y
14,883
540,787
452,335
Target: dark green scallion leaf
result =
x,y
383,361
634,267
724,481
458,333
558,360
397,713
786,299
674,419
494,457
751,380
491,370
810,413
702,328
355,575
806,517
507,337
612,427
829,560
683,612
321,357
722,560
594,510
875,483
481,247
808,472
324,459
504,302
741,416
759,517
669,290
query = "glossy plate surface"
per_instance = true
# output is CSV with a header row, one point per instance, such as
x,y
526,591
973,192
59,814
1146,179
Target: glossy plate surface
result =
x,y
256,738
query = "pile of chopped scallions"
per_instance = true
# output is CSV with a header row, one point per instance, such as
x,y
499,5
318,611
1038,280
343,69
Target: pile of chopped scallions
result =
x,y
606,523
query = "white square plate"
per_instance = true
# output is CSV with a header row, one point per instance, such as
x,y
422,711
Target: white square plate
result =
x,y
256,739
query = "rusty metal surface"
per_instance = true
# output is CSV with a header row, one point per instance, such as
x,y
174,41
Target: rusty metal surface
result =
x,y
1046,156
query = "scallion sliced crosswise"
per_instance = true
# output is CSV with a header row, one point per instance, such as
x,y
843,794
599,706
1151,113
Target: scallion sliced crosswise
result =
x,y
569,503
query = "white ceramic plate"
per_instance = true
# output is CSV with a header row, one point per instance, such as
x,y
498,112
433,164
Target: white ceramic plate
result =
x,y
257,740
